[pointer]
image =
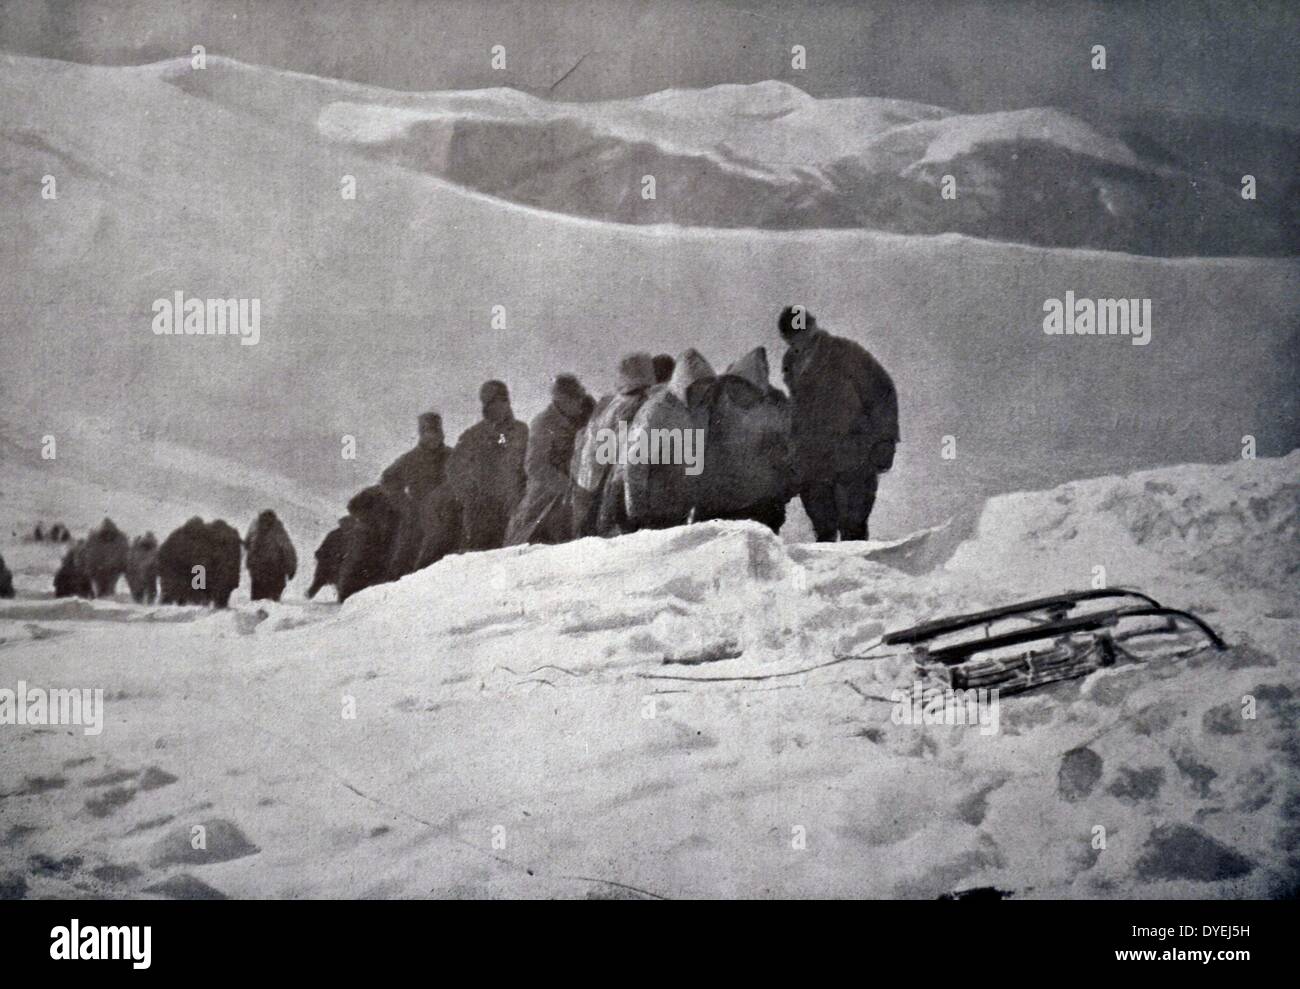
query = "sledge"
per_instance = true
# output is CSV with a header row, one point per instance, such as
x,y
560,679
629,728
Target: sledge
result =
x,y
1052,641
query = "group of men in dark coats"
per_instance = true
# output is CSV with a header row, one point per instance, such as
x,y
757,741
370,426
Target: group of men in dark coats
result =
x,y
741,449
506,483
199,563
57,533
431,501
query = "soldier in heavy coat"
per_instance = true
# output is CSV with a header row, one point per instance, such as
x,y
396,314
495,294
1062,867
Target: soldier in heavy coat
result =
x,y
72,580
423,467
546,513
272,561
224,548
142,569
411,480
658,495
844,425
199,563
441,527
748,470
183,550
329,556
598,503
369,540
489,470
104,558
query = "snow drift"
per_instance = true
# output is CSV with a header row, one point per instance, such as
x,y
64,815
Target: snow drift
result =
x,y
692,712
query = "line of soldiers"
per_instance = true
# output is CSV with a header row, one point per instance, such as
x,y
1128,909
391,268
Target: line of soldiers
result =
x,y
506,483
57,533
198,563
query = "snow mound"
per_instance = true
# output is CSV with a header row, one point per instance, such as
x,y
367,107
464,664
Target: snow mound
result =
x,y
684,596
1204,529
701,711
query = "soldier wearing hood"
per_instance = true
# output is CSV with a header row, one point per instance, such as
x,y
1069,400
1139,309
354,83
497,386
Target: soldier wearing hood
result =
x,y
598,505
664,367
272,561
142,569
105,558
6,580
329,556
183,550
72,580
546,513
844,425
488,464
368,541
748,472
224,551
659,495
199,563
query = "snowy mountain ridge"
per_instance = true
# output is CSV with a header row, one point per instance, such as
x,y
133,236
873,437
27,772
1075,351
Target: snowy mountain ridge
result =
x,y
768,155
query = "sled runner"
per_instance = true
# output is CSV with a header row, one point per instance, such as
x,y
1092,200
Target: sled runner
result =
x,y
1054,645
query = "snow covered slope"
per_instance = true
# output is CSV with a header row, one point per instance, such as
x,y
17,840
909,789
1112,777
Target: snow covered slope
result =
x,y
770,156
692,712
378,308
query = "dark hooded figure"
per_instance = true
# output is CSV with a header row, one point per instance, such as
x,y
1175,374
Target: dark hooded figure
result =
x,y
404,547
489,470
104,558
224,549
271,560
329,556
844,425
71,580
59,533
598,505
142,569
441,528
546,513
662,494
199,563
178,557
6,580
38,534
664,365
369,540
748,473
412,479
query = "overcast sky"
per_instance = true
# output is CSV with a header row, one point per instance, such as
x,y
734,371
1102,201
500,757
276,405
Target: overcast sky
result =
x,y
1237,57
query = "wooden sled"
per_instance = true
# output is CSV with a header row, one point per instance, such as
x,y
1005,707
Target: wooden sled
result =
x,y
1055,644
